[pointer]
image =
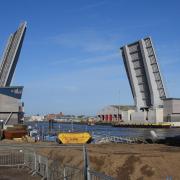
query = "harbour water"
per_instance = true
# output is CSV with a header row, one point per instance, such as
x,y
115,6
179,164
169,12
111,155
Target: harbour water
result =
x,y
102,130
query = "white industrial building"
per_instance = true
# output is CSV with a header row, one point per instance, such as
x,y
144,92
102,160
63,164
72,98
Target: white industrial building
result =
x,y
116,113
129,114
172,110
36,118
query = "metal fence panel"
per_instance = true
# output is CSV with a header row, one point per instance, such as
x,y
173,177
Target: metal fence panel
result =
x,y
55,171
93,175
29,160
58,172
41,165
11,158
72,173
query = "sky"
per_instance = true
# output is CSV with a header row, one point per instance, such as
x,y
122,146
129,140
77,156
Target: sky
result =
x,y
70,61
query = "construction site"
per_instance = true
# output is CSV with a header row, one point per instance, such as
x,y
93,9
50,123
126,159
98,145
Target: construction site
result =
x,y
117,157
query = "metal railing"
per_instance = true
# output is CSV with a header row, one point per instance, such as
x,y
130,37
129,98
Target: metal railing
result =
x,y
119,139
65,173
11,158
46,168
99,176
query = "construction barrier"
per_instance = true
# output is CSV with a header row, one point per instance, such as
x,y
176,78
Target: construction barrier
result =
x,y
47,169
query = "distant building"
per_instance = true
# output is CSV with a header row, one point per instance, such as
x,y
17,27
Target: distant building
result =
x,y
36,118
59,115
116,113
172,110
50,116
148,116
54,116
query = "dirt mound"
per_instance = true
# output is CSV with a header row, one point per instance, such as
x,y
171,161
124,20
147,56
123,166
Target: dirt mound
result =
x,y
122,161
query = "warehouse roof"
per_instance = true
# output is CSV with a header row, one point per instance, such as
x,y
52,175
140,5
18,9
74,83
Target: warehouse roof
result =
x,y
124,107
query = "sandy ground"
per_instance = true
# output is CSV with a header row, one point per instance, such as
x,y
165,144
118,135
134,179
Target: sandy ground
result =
x,y
17,174
122,161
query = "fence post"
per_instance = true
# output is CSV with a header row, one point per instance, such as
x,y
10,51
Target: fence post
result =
x,y
86,164
35,161
64,173
47,173
88,173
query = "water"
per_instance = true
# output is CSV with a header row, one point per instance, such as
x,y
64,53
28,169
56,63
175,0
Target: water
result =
x,y
103,130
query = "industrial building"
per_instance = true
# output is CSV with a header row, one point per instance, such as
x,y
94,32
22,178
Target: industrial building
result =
x,y
11,107
148,90
172,110
115,113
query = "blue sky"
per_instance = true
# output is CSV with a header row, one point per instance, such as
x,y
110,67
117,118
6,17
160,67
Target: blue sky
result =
x,y
70,60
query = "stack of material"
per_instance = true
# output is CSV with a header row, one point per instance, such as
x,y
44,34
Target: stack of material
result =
x,y
15,131
25,138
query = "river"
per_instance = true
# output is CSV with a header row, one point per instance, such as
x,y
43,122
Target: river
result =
x,y
104,130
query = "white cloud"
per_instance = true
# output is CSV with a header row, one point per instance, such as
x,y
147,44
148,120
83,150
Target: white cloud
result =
x,y
87,40
110,57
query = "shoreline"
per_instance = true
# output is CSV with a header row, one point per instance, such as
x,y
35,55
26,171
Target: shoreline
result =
x,y
113,124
